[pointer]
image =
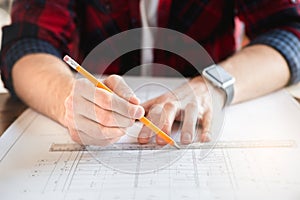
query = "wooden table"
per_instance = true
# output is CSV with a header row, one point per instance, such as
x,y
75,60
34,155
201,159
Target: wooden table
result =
x,y
10,110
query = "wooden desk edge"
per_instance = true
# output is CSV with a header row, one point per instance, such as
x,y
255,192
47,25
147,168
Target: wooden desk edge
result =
x,y
10,110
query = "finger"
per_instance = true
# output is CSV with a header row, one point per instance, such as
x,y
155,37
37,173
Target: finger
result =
x,y
154,116
96,130
189,122
85,88
148,104
197,135
112,102
104,117
206,125
119,86
107,100
126,108
167,118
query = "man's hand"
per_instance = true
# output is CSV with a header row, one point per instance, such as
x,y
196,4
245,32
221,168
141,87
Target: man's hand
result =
x,y
95,116
190,103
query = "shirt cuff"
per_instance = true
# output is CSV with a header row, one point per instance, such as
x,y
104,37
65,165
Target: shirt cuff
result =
x,y
22,48
288,45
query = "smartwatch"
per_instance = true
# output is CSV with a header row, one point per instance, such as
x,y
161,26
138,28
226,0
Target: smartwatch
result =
x,y
217,75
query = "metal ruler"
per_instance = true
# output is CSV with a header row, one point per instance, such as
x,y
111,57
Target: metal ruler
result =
x,y
152,146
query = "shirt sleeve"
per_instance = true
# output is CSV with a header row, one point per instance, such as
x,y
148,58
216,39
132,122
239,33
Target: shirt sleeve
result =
x,y
288,45
276,24
38,27
19,49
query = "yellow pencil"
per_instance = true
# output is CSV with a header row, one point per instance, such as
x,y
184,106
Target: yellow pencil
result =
x,y
98,84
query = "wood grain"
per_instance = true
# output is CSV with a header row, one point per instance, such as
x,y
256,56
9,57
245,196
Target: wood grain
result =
x,y
10,110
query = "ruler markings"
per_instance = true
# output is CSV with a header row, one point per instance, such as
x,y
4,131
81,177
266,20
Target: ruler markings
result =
x,y
153,146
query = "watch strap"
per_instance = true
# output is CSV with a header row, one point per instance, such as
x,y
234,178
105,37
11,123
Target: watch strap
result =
x,y
229,91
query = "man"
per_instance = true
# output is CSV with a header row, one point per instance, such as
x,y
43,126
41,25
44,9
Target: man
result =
x,y
43,31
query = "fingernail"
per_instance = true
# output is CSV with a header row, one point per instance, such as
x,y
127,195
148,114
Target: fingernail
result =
x,y
139,113
143,138
205,137
160,141
186,138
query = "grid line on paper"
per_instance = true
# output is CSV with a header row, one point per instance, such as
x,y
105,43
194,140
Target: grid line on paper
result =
x,y
196,175
136,178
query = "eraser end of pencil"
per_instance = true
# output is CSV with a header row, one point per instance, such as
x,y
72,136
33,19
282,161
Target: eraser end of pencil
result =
x,y
66,58
72,63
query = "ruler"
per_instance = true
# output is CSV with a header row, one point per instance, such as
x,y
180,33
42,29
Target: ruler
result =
x,y
152,146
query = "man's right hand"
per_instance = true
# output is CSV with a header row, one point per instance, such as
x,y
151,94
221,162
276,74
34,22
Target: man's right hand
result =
x,y
95,116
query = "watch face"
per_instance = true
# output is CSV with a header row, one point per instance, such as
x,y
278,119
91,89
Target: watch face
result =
x,y
220,78
219,75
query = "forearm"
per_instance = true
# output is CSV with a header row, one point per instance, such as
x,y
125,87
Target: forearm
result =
x,y
43,82
258,70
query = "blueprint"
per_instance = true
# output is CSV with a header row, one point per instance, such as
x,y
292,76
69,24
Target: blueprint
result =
x,y
30,170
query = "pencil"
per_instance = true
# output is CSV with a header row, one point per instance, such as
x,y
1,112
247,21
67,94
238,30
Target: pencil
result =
x,y
72,63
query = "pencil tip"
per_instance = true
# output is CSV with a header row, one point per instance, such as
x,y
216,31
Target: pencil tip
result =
x,y
176,145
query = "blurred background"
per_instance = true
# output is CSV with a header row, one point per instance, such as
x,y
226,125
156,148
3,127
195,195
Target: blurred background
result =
x,y
4,14
5,6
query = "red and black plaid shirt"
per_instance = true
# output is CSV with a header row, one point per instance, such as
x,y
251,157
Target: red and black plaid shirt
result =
x,y
76,27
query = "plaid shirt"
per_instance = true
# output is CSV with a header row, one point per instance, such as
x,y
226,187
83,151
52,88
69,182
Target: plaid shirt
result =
x,y
74,27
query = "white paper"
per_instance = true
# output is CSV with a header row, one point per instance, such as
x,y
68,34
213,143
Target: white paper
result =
x,y
29,170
